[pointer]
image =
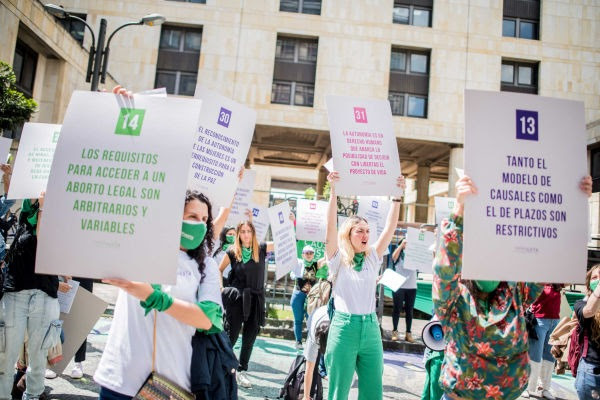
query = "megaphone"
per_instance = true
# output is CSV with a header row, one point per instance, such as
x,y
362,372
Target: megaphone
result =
x,y
433,336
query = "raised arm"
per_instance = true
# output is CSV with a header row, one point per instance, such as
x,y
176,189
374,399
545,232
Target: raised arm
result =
x,y
391,222
331,243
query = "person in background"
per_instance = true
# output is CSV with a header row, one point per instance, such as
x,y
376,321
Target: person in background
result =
x,y
316,344
546,310
5,204
404,298
587,382
305,277
226,239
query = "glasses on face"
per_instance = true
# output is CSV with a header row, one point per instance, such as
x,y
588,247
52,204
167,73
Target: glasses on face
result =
x,y
309,253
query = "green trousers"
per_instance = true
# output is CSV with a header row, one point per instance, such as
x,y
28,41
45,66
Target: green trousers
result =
x,y
354,344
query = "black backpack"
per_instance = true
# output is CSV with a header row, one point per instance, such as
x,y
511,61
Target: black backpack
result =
x,y
293,387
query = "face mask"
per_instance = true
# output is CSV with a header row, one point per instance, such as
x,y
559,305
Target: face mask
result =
x,y
594,284
487,286
229,239
192,234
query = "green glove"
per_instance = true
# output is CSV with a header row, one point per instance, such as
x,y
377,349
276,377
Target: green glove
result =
x,y
158,300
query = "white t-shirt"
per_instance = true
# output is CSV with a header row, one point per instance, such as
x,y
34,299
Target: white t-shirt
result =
x,y
353,291
127,358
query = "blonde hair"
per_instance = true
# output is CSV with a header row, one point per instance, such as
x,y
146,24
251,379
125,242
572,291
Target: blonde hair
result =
x,y
237,247
595,334
344,243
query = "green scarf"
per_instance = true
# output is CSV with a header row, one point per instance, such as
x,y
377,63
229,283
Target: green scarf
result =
x,y
307,263
228,242
358,260
31,212
246,254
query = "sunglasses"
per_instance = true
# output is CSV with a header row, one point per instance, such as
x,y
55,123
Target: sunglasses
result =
x,y
309,252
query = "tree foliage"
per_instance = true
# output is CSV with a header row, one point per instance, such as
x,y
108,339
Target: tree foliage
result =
x,y
15,107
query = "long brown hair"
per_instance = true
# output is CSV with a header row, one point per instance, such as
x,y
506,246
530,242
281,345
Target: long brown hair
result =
x,y
237,247
596,321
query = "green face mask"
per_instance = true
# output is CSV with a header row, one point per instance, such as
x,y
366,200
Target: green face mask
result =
x,y
192,234
487,286
594,284
229,239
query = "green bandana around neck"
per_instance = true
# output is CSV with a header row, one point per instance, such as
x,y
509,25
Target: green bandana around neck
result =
x,y
229,240
192,234
487,286
246,254
358,260
307,263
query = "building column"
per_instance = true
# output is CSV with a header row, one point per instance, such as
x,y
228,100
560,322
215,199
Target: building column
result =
x,y
321,179
422,186
456,161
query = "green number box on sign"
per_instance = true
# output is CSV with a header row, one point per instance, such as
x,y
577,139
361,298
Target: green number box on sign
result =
x,y
130,121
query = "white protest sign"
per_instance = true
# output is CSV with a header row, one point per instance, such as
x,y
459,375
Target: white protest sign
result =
x,y
77,325
364,147
117,186
221,146
392,280
329,165
311,220
284,239
374,208
443,208
158,92
34,159
260,220
418,254
242,198
529,219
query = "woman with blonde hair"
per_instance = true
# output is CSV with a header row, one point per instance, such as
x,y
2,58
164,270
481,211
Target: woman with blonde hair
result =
x,y
354,342
244,299
587,382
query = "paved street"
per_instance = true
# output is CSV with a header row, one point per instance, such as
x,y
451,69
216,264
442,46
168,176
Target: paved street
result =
x,y
403,373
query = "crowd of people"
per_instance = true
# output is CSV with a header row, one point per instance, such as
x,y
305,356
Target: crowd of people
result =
x,y
184,333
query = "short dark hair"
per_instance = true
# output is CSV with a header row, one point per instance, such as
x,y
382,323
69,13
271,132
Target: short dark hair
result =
x,y
321,334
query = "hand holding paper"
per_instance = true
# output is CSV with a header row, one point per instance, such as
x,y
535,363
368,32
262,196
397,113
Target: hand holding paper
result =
x,y
392,280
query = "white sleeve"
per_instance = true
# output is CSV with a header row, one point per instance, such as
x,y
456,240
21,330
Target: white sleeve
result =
x,y
297,272
210,288
334,264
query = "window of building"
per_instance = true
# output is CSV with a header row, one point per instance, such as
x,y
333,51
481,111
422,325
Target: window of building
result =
x,y
74,27
413,12
178,56
25,65
294,72
519,76
301,6
409,82
521,19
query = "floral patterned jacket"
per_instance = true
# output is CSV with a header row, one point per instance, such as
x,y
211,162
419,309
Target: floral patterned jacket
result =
x,y
486,353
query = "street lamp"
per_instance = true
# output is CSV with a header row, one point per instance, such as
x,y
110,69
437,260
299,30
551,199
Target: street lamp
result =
x,y
98,58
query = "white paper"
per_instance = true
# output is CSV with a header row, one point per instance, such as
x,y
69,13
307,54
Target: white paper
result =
x,y
443,208
85,312
242,198
418,255
329,165
311,220
284,238
364,147
114,201
260,220
392,280
460,172
158,92
375,208
533,149
221,146
65,300
34,159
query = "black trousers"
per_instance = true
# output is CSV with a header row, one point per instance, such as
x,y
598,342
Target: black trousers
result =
x,y
406,298
234,317
89,285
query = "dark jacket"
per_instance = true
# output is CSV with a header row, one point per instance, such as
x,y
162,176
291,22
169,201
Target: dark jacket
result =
x,y
213,367
20,260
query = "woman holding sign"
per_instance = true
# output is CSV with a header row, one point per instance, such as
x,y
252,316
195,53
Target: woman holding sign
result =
x,y
484,324
244,300
354,342
192,304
